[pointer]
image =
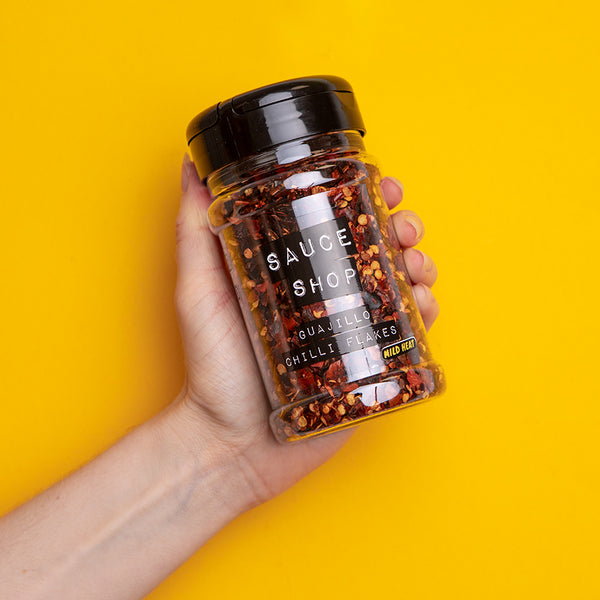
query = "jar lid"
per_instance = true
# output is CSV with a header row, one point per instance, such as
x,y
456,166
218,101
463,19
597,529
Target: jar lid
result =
x,y
268,116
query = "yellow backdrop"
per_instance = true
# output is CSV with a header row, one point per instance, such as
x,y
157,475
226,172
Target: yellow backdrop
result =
x,y
488,112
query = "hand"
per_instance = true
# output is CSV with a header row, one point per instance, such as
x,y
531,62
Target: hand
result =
x,y
128,518
231,408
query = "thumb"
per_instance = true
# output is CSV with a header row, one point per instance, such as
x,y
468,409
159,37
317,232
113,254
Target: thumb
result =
x,y
201,274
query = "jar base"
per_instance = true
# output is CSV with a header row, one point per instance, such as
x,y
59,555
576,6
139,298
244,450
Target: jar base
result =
x,y
365,399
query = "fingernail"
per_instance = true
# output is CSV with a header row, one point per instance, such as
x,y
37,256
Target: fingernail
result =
x,y
416,224
427,262
397,183
185,172
422,293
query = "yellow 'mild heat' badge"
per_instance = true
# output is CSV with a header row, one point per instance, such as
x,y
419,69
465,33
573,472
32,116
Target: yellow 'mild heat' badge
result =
x,y
398,348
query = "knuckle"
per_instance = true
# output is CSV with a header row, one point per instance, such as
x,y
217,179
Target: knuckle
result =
x,y
180,229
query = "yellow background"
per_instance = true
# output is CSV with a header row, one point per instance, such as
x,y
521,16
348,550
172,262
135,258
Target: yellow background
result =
x,y
488,112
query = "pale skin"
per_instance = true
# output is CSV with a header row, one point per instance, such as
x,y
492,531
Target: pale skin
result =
x,y
118,526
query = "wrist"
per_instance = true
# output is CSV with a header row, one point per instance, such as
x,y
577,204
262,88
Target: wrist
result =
x,y
215,470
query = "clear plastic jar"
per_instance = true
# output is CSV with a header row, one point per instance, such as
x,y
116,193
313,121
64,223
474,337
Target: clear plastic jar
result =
x,y
317,268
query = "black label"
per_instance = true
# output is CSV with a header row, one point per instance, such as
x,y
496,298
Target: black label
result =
x,y
317,262
398,348
340,322
335,346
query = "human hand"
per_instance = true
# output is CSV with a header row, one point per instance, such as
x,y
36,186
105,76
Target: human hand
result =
x,y
128,518
229,409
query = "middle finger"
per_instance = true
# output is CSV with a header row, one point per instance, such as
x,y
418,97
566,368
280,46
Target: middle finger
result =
x,y
420,267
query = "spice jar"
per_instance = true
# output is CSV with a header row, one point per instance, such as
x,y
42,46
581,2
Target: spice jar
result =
x,y
317,268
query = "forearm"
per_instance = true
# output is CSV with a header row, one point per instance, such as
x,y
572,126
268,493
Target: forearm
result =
x,y
118,526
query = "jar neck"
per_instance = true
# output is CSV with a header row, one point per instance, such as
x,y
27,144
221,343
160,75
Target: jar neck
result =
x,y
277,159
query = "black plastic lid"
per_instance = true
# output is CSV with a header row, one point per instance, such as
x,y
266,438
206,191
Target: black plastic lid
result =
x,y
265,117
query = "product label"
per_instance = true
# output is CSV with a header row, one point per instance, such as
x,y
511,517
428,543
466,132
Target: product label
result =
x,y
317,262
334,346
398,348
353,318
